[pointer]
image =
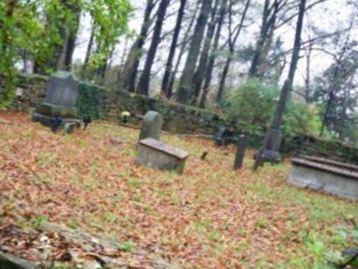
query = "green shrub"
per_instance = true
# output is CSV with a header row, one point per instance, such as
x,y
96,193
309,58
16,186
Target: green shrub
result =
x,y
301,118
251,108
89,101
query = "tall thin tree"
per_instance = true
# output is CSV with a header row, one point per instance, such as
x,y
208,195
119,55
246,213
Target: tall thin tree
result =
x,y
169,65
182,47
234,35
272,141
143,85
185,84
129,74
213,54
203,61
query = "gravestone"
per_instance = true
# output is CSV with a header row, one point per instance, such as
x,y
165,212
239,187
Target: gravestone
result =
x,y
223,136
240,153
60,100
156,154
152,125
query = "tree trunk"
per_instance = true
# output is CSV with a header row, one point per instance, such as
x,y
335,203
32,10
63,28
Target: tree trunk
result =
x,y
232,42
143,85
334,85
272,140
185,85
210,68
89,47
308,74
267,29
200,71
70,33
169,65
287,87
128,77
343,114
71,38
182,50
223,78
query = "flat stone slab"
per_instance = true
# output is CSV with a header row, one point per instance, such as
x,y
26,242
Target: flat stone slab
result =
x,y
325,175
46,120
156,154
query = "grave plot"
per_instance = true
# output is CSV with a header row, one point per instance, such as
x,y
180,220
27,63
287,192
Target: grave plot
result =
x,y
325,175
156,154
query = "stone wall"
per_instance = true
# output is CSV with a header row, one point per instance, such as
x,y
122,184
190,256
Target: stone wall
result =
x,y
177,118
30,92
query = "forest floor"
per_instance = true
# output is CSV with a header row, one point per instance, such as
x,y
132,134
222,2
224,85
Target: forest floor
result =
x,y
208,217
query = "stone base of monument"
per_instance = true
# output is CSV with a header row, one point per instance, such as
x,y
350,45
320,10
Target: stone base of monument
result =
x,y
61,111
69,124
156,154
325,175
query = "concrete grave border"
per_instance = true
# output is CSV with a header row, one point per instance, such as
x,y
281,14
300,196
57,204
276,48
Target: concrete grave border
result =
x,y
325,175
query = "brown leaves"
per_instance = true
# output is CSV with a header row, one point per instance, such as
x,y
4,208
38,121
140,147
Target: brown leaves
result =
x,y
209,217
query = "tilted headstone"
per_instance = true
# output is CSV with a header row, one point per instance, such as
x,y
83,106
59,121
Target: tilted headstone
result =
x,y
152,125
60,100
156,154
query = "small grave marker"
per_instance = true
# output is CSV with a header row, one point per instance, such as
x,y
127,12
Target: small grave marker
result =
x,y
156,154
240,153
152,125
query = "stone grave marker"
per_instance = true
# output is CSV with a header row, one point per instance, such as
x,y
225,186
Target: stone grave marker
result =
x,y
152,125
240,153
156,154
60,100
223,135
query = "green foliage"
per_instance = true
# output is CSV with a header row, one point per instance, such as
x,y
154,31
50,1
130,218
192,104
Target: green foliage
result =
x,y
251,108
19,28
38,221
38,28
89,101
301,118
127,246
110,21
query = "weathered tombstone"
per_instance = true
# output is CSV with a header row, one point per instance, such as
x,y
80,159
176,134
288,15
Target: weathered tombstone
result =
x,y
240,153
60,100
152,125
223,135
154,153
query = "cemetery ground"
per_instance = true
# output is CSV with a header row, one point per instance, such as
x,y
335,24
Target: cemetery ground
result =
x,y
208,217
